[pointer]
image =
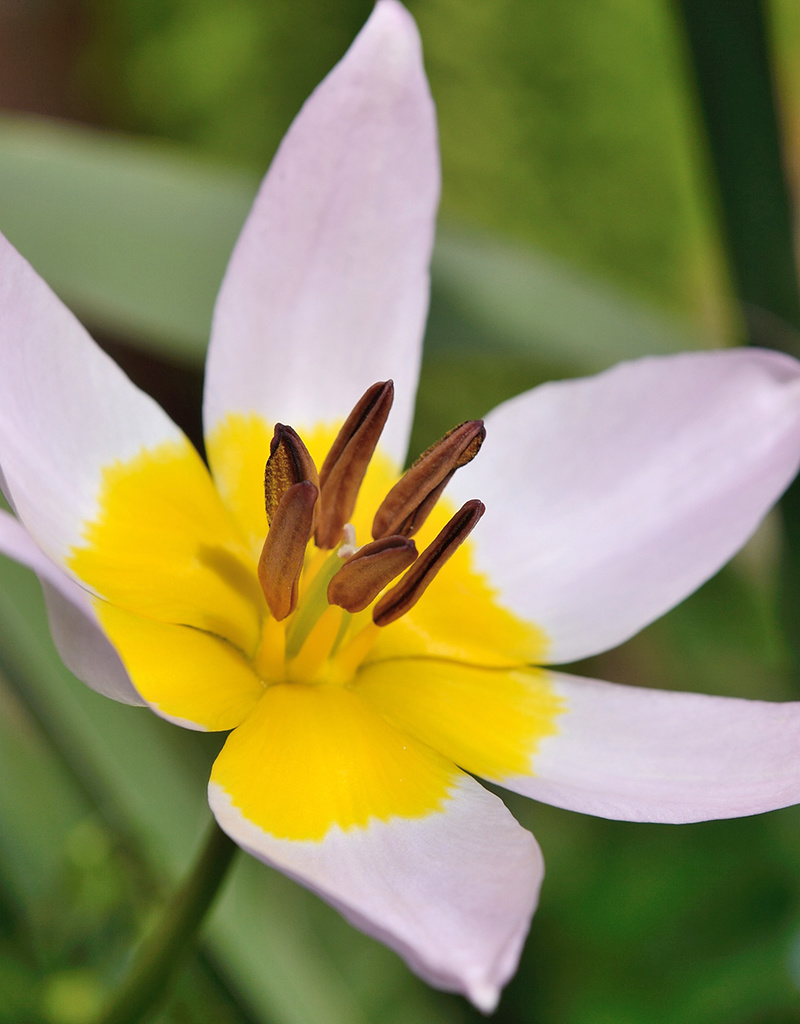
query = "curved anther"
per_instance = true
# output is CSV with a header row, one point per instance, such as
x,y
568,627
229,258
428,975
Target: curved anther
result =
x,y
346,463
412,586
281,560
373,567
289,463
408,504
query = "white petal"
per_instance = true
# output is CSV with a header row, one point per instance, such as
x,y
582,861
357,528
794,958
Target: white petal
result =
x,y
86,652
79,639
650,755
610,499
66,410
327,288
452,893
407,847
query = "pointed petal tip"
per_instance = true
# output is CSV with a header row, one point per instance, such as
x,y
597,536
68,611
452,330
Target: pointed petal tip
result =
x,y
391,24
357,173
484,997
387,51
451,892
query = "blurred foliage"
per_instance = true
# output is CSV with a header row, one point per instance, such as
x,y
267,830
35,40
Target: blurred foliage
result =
x,y
135,236
559,123
579,230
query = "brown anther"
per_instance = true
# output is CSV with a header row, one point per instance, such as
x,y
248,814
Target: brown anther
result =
x,y
346,463
281,560
373,567
408,504
412,586
288,464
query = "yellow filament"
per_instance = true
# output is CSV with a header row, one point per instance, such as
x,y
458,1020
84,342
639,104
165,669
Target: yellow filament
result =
x,y
346,661
269,661
306,666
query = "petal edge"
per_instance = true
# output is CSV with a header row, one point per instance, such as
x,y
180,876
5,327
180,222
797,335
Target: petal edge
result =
x,y
452,893
610,499
635,754
327,288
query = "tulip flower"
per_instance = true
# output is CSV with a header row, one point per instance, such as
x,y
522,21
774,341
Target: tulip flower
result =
x,y
373,640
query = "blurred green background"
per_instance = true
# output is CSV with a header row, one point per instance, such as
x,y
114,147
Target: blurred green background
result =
x,y
579,226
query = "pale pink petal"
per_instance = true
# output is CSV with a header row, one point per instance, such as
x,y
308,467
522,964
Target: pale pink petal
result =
x,y
85,651
453,892
412,851
650,755
610,499
327,288
79,639
66,410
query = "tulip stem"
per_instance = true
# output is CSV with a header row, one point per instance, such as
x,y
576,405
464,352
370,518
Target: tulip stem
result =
x,y
161,952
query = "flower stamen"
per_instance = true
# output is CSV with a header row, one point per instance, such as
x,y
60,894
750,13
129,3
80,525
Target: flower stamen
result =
x,y
289,463
411,587
282,556
324,593
409,503
346,463
305,666
369,570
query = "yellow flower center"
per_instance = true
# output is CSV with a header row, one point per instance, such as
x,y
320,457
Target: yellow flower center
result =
x,y
322,590
172,557
339,701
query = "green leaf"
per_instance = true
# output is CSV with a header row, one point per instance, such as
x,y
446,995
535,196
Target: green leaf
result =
x,y
535,305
